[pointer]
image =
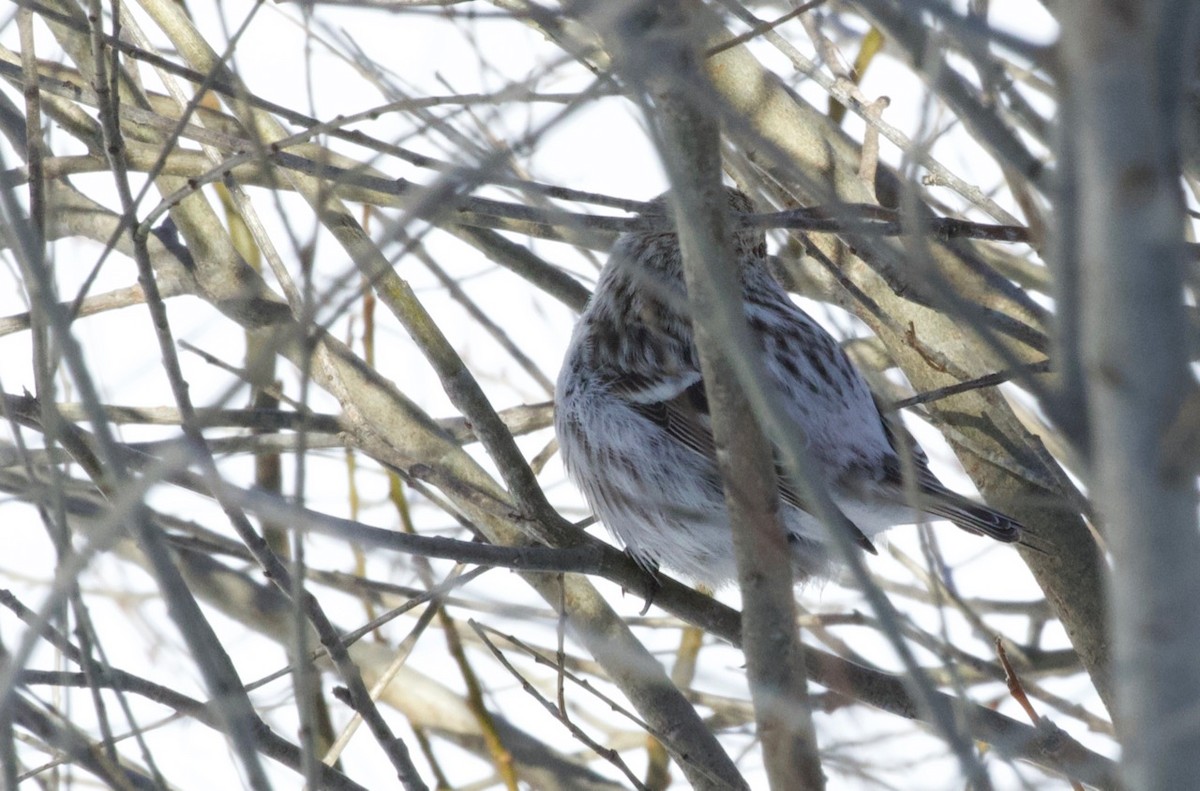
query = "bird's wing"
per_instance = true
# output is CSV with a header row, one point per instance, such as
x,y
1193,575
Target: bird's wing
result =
x,y
936,499
686,418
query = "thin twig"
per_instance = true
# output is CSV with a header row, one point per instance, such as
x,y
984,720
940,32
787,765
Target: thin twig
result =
x,y
607,753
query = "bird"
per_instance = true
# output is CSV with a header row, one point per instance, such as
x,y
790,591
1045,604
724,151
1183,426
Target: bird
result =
x,y
635,433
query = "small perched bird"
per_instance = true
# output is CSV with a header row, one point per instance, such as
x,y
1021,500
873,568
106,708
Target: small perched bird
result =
x,y
633,422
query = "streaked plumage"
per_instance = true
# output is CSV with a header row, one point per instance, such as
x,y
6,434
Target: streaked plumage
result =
x,y
633,424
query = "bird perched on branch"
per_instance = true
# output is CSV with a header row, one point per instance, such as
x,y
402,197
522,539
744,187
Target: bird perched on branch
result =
x,y
634,427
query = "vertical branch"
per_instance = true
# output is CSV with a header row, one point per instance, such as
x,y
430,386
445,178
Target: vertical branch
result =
x,y
688,140
1069,407
1123,69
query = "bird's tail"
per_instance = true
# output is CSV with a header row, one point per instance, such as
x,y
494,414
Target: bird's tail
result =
x,y
971,516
